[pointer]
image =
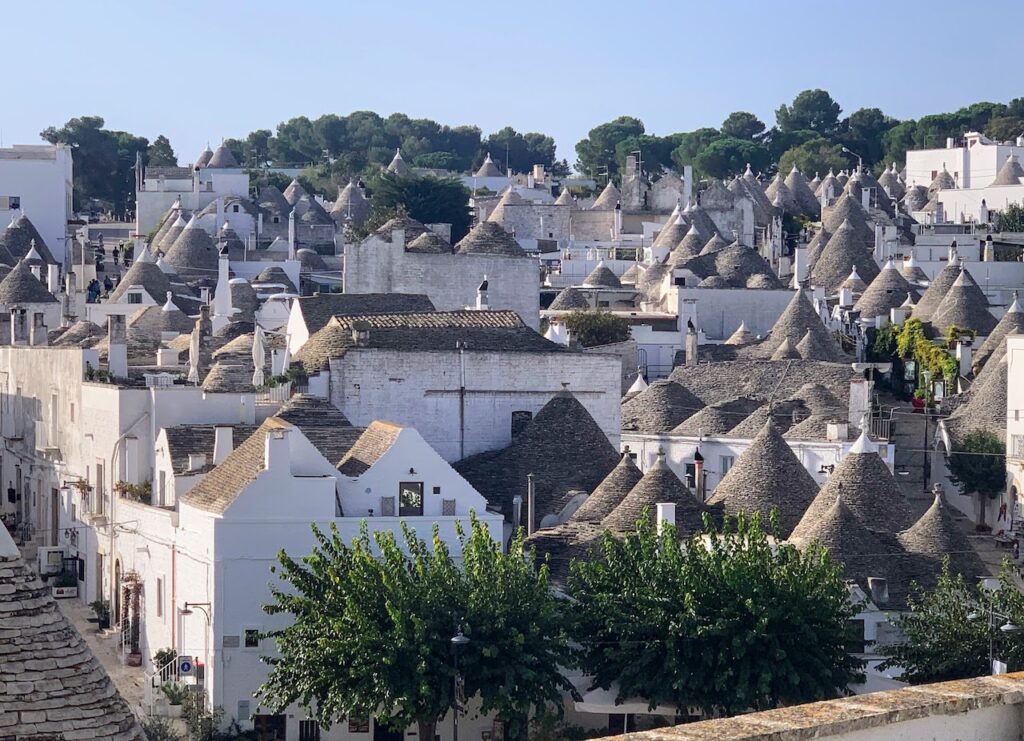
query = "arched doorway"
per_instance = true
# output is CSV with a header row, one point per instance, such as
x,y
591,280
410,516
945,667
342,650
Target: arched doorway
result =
x,y
115,590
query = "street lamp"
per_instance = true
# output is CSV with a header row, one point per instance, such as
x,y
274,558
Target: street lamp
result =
x,y
458,641
927,375
1007,627
860,160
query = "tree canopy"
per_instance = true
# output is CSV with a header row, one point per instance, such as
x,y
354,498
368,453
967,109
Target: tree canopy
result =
x,y
427,199
370,635
728,623
980,466
595,327
947,631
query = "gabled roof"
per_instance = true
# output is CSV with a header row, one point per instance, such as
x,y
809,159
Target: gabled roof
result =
x,y
51,684
372,443
659,408
1011,323
659,485
887,291
767,475
318,309
610,492
868,489
488,238
482,331
964,306
20,286
188,439
562,446
601,277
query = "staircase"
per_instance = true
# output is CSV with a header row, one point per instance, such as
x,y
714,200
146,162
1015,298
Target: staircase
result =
x,y
907,433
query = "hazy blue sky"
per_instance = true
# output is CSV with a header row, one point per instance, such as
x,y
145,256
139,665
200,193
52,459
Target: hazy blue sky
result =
x,y
199,71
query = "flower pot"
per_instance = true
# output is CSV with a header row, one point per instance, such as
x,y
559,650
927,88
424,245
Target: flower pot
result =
x,y
174,711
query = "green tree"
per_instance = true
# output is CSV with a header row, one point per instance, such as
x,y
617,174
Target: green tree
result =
x,y
815,156
811,110
595,327
1011,218
897,140
655,152
522,150
742,125
597,151
1005,128
863,132
691,144
728,623
979,467
371,634
725,157
160,153
946,632
427,199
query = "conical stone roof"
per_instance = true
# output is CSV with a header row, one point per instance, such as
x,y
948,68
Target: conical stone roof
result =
x,y
659,485
942,181
609,493
847,208
508,198
430,243
204,157
714,244
1010,173
785,351
488,238
890,181
51,685
16,241
985,408
742,336
222,157
20,286
716,420
351,204
854,282
569,299
915,198
936,291
964,306
887,291
868,489
273,203
602,277
1011,323
294,192
698,217
687,248
608,199
937,536
816,346
565,198
488,169
767,475
168,220
778,190
660,408
795,322
826,182
803,194
398,165
913,272
672,233
171,235
816,246
632,275
844,249
193,254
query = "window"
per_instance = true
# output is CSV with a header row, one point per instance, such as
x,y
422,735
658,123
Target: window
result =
x,y
359,725
161,491
100,489
410,499
72,411
520,420
276,220
270,727
437,491
135,297
726,462
251,637
234,209
159,596
309,730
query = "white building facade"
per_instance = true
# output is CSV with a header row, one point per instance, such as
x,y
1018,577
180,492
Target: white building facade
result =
x,y
36,180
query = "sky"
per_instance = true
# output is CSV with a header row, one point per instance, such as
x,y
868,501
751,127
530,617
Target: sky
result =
x,y
203,71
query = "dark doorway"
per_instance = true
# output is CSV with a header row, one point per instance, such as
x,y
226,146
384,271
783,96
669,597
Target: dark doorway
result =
x,y
383,733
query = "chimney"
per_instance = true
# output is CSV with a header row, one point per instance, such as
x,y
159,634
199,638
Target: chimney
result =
x,y
361,333
865,199
19,330
837,432
205,327
117,352
531,500
53,278
481,296
952,251
220,215
846,297
70,283
204,295
38,334
166,358
517,511
539,175
879,588
276,455
223,443
666,512
964,351
291,235
691,343
983,212
196,461
698,474
989,253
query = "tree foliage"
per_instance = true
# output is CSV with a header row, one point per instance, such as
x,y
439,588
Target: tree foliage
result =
x,y
811,110
523,151
597,151
729,624
979,467
742,125
815,156
1010,219
427,199
595,327
103,161
370,633
946,632
160,153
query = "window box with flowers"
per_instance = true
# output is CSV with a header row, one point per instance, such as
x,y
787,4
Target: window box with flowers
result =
x,y
136,492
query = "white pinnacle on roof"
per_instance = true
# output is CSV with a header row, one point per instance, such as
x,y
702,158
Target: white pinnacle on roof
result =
x,y
192,224
162,264
1014,306
169,305
889,265
638,385
908,303
863,445
33,253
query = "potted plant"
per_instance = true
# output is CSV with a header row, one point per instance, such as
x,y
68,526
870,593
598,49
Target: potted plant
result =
x,y
101,609
133,594
65,584
175,692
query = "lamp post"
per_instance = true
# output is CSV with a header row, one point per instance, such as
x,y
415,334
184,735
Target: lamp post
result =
x,y
860,160
458,641
1007,627
926,462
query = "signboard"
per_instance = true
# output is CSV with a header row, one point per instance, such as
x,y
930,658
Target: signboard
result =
x,y
185,666
998,667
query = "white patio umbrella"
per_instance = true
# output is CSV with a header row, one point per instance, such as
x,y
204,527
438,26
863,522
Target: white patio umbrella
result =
x,y
193,357
258,356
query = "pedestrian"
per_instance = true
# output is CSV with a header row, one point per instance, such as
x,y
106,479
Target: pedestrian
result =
x,y
108,285
116,253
